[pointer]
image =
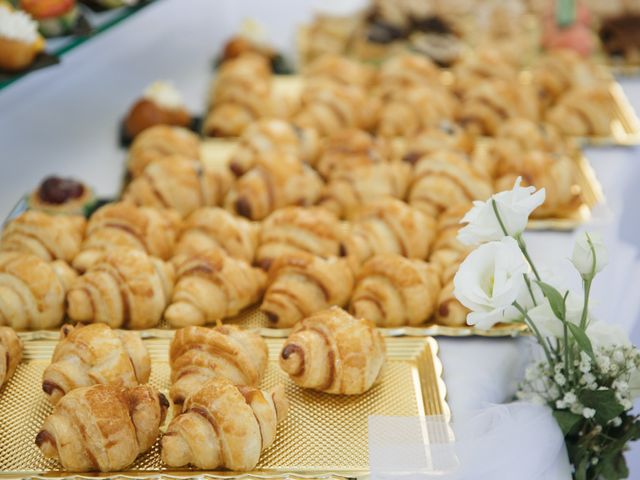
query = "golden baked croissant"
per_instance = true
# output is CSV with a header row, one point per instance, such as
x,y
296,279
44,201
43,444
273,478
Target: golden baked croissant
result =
x,y
329,107
389,226
211,286
102,427
211,227
301,284
334,352
123,288
348,149
483,67
159,142
32,291
407,70
224,426
95,354
239,75
51,237
393,291
583,112
276,181
450,312
444,136
444,179
10,353
198,354
352,188
179,183
340,69
297,229
123,224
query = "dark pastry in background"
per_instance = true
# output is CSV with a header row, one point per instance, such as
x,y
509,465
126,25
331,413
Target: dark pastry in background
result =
x,y
435,37
620,37
61,196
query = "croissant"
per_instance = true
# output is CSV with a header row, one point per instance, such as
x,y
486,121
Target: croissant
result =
x,y
444,179
211,227
47,236
330,107
583,112
102,427
340,69
292,230
124,288
483,67
239,75
123,224
445,136
393,291
276,181
408,70
159,142
352,188
390,226
95,354
450,312
179,183
334,352
210,286
447,249
198,354
302,284
32,291
224,426
10,353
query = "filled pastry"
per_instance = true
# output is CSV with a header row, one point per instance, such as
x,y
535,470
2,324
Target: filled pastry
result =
x,y
123,288
334,352
58,195
103,427
54,17
159,142
95,354
302,284
123,224
32,291
180,183
211,286
19,40
10,353
277,180
292,230
161,104
350,189
49,237
583,112
210,227
224,426
198,354
395,291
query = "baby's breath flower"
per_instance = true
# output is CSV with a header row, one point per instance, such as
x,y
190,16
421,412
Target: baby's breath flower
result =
x,y
588,412
618,356
560,379
616,422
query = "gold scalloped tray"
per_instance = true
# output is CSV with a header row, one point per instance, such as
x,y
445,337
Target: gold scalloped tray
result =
x,y
323,436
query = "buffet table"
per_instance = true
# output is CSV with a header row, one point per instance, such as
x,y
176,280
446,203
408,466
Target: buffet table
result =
x,y
64,120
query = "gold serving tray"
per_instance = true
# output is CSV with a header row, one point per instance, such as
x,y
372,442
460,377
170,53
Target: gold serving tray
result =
x,y
323,436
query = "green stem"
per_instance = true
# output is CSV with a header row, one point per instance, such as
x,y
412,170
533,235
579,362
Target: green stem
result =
x,y
565,328
528,282
586,282
495,210
535,330
525,252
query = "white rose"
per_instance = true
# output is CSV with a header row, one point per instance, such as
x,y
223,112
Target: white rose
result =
x,y
603,335
582,256
548,324
489,280
514,207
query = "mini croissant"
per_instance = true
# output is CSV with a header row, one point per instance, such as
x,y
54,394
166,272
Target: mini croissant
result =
x,y
211,286
32,291
340,69
123,224
179,183
583,112
407,70
124,288
103,427
224,426
302,284
198,354
211,227
394,291
450,312
50,237
95,354
292,230
10,353
334,352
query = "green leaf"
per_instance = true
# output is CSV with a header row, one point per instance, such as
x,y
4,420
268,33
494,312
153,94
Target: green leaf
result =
x,y
613,467
555,299
567,421
603,402
582,340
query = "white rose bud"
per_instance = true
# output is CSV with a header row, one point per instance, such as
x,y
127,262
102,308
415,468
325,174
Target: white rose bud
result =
x,y
514,207
489,280
583,251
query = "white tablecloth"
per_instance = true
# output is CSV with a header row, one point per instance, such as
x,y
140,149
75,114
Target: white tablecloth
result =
x,y
64,119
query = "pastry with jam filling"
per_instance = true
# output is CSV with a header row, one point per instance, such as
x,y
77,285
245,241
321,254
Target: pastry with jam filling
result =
x,y
58,195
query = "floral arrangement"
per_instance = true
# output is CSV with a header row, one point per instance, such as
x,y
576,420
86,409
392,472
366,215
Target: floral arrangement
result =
x,y
589,373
